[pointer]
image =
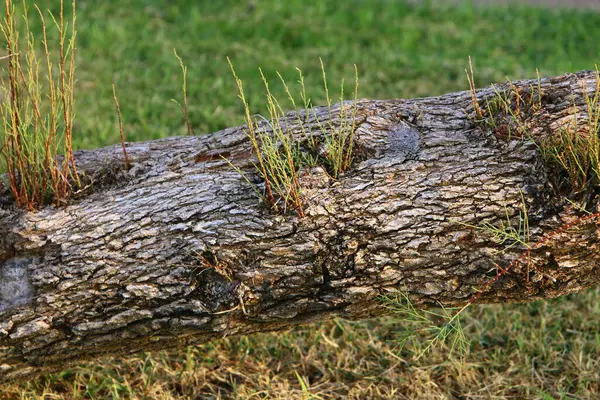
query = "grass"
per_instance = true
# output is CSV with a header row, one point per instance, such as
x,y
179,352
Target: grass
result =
x,y
210,261
426,329
408,51
576,149
276,153
506,114
121,133
515,351
338,140
184,107
547,349
508,234
38,111
281,156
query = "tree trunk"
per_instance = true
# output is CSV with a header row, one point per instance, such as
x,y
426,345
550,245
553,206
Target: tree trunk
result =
x,y
179,250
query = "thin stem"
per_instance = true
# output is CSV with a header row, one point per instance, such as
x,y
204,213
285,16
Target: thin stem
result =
x,y
120,126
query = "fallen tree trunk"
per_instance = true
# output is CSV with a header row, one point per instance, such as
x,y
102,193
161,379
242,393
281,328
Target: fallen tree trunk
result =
x,y
178,250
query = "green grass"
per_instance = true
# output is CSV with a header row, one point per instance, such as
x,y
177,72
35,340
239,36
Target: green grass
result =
x,y
281,156
406,51
546,349
576,149
508,234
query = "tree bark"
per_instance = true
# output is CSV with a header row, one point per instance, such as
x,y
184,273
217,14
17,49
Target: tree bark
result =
x,y
179,250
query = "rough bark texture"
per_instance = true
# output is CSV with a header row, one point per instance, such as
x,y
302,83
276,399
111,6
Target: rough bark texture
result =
x,y
126,268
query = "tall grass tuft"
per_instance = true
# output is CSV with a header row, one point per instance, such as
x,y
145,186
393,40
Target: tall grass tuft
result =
x,y
275,152
280,155
576,147
37,111
340,139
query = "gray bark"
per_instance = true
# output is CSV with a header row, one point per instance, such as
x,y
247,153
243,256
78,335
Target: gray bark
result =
x,y
124,268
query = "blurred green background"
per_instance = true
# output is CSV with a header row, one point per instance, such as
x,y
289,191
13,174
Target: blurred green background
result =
x,y
542,350
401,50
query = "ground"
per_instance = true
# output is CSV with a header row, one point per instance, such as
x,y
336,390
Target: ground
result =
x,y
545,350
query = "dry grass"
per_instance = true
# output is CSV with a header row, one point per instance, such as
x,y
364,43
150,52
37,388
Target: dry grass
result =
x,y
121,133
541,350
38,112
184,108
